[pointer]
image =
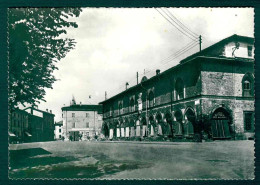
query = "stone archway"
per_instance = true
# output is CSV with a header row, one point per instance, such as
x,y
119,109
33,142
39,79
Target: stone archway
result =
x,y
117,129
190,122
144,127
127,128
105,130
178,126
152,125
112,130
168,130
159,121
220,124
132,127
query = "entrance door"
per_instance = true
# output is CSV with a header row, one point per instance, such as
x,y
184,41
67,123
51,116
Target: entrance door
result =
x,y
220,125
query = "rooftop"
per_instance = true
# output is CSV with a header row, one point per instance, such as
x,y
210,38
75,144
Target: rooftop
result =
x,y
220,43
83,107
45,112
202,53
59,123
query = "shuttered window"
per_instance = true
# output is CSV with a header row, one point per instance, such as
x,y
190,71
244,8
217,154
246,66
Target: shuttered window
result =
x,y
248,121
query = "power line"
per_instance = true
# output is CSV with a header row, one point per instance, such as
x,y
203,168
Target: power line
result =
x,y
179,53
192,38
176,54
181,24
183,29
178,24
184,51
187,49
192,42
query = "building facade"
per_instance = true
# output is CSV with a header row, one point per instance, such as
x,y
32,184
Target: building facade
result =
x,y
209,94
18,127
81,122
58,130
41,124
31,125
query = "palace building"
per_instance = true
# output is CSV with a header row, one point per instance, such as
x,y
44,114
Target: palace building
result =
x,y
209,94
81,122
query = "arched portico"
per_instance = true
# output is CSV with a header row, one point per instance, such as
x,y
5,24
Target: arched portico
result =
x,y
168,130
144,127
132,127
159,121
105,130
152,125
178,126
190,122
127,128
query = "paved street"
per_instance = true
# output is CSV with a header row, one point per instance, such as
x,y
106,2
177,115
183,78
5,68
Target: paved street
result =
x,y
133,160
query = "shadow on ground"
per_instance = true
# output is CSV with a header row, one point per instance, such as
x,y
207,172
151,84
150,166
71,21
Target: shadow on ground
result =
x,y
39,163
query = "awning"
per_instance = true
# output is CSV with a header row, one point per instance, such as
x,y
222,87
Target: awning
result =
x,y
28,134
11,134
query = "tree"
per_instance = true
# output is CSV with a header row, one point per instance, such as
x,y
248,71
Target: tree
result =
x,y
36,43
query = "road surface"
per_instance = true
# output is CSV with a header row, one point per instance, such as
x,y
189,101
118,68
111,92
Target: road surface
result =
x,y
133,160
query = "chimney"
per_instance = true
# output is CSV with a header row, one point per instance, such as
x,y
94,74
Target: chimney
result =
x,y
46,110
80,103
51,111
157,71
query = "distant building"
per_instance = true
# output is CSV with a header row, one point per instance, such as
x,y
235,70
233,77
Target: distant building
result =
x,y
31,125
41,124
18,127
58,130
81,122
209,92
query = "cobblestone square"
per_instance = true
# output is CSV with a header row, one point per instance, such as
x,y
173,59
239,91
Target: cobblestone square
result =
x,y
133,160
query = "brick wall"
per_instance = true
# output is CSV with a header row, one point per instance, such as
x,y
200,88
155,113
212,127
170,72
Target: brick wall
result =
x,y
236,108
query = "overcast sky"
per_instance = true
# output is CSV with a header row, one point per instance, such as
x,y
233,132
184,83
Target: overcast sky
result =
x,y
114,43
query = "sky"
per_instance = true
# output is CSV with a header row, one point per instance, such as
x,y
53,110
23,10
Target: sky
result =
x,y
113,44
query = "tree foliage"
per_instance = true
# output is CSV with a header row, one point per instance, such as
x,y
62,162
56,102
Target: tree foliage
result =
x,y
36,44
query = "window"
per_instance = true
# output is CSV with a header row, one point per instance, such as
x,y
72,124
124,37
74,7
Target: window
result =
x,y
111,111
59,136
132,105
249,49
151,99
120,108
249,121
62,115
179,87
87,115
247,85
59,130
73,115
87,125
73,125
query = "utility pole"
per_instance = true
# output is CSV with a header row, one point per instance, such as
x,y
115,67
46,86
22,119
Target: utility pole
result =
x,y
137,77
200,42
94,123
